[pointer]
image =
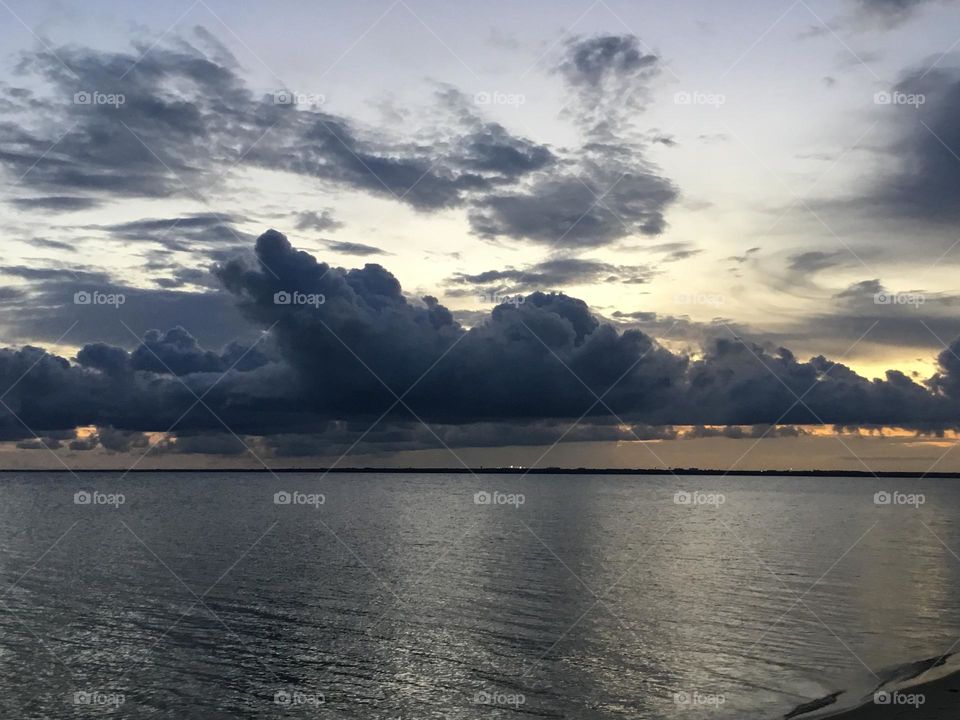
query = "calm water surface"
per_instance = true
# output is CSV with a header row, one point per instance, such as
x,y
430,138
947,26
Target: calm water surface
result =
x,y
401,597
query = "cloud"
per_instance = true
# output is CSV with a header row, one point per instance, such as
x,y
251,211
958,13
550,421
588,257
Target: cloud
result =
x,y
924,180
553,274
738,432
610,195
195,233
351,248
164,123
313,220
345,360
813,261
889,13
187,113
605,190
610,75
44,309
56,203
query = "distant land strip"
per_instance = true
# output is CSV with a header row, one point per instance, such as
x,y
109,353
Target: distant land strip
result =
x,y
515,471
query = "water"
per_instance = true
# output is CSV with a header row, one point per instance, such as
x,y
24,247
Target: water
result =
x,y
399,597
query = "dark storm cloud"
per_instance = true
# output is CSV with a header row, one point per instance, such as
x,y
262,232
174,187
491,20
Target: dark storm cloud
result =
x,y
339,361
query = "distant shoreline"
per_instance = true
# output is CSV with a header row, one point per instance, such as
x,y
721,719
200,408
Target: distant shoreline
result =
x,y
517,471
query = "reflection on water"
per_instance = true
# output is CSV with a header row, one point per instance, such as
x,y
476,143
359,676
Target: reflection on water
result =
x,y
390,596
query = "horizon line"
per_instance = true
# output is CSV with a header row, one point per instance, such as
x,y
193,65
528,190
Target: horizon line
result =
x,y
497,470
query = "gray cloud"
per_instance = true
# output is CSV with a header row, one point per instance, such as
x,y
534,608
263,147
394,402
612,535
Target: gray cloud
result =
x,y
610,75
56,203
605,190
313,220
924,183
553,274
538,361
189,233
351,248
609,196
161,142
889,13
813,261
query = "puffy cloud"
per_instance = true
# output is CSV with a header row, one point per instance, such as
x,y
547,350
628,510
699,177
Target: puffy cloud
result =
x,y
330,368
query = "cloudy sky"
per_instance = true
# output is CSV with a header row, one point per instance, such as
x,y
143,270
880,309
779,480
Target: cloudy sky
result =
x,y
426,233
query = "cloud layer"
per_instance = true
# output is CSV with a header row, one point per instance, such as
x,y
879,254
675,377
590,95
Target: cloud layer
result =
x,y
174,122
367,351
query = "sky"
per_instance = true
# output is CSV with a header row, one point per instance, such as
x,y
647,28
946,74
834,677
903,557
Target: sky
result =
x,y
424,233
